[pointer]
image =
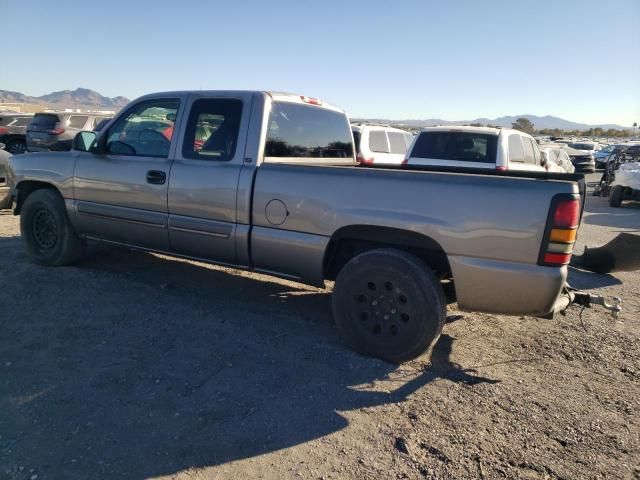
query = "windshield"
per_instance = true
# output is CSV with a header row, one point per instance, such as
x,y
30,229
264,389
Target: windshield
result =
x,y
583,146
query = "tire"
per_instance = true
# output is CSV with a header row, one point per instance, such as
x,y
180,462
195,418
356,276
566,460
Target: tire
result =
x,y
615,199
16,147
46,231
388,304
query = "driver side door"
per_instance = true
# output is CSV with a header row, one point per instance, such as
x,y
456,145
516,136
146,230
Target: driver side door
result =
x,y
121,191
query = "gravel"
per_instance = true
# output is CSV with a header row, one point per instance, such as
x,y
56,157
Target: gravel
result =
x,y
134,365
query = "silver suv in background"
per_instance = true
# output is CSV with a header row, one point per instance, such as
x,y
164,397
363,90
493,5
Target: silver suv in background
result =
x,y
55,131
377,144
476,147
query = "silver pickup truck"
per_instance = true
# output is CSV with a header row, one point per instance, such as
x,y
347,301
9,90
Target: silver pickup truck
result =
x,y
268,182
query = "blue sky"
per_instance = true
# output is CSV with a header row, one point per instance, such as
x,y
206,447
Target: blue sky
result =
x,y
577,59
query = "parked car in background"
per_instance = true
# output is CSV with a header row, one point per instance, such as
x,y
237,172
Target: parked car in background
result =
x,y
583,156
557,155
476,147
13,128
377,144
5,194
99,125
603,154
55,131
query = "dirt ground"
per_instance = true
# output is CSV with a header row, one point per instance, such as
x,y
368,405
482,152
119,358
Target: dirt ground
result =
x,y
135,366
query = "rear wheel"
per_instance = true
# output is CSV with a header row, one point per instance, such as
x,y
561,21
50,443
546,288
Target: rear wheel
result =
x,y
47,233
615,199
388,304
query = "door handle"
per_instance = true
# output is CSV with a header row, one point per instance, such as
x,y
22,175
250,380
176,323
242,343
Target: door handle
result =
x,y
156,177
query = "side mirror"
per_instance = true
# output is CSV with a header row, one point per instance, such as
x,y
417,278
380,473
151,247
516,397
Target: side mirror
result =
x,y
83,141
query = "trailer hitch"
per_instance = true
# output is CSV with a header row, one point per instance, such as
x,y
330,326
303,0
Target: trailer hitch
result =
x,y
587,299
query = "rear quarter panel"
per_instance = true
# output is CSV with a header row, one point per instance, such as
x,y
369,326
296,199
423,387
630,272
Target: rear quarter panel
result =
x,y
474,218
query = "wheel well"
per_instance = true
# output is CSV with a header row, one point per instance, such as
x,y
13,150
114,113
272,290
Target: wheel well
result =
x,y
350,241
13,137
26,188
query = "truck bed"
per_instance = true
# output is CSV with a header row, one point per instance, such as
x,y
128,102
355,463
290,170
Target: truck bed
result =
x,y
488,225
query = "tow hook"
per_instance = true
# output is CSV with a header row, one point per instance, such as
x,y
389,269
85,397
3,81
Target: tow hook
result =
x,y
586,299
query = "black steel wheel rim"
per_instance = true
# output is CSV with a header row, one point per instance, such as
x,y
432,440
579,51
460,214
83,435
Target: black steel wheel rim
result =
x,y
384,310
45,229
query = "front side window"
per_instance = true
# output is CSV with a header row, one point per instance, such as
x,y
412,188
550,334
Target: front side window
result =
x,y
212,129
397,143
145,130
306,131
516,152
77,121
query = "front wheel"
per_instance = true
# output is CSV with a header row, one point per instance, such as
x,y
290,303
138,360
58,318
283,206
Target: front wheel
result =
x,y
388,304
47,233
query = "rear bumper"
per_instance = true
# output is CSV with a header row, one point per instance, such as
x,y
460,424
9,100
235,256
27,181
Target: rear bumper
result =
x,y
508,288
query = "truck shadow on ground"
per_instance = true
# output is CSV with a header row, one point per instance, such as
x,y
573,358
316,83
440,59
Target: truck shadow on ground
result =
x,y
167,366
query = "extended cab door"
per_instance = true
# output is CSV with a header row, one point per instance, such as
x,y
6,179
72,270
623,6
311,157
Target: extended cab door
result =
x,y
204,180
121,189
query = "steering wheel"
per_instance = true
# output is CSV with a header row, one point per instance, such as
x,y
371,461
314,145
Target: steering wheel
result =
x,y
155,133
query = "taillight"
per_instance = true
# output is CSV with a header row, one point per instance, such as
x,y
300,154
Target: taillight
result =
x,y
501,168
561,231
566,213
405,161
57,130
3,130
364,160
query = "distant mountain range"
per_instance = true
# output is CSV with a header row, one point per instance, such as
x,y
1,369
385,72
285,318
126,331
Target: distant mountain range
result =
x,y
539,122
89,99
80,97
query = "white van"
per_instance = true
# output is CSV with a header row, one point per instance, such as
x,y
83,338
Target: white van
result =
x,y
476,147
377,144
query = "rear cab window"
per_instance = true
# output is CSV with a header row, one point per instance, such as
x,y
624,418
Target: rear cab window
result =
x,y
460,146
307,133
